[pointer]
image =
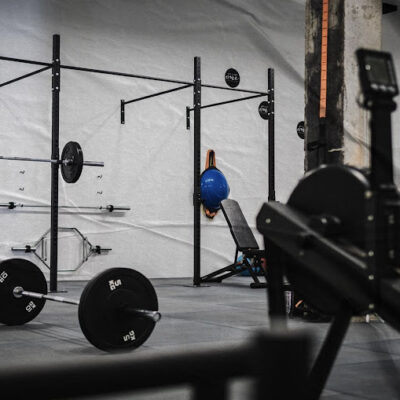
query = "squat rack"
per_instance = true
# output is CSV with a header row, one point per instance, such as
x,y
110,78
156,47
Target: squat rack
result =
x,y
197,85
196,109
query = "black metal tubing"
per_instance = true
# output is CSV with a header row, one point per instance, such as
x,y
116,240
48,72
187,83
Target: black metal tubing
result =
x,y
210,389
55,155
333,341
121,374
230,101
124,103
153,78
21,60
125,74
276,290
269,358
24,76
234,89
196,172
106,72
187,118
271,135
158,93
122,112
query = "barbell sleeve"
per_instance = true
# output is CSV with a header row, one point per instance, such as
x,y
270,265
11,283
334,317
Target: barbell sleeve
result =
x,y
25,249
87,163
153,315
112,208
20,292
94,163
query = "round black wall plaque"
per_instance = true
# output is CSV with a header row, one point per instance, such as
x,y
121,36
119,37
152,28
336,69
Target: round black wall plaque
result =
x,y
232,78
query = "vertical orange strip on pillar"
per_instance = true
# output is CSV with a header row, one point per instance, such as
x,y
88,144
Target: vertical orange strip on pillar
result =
x,y
324,59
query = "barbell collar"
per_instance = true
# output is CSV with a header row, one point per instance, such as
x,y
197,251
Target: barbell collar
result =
x,y
20,292
94,163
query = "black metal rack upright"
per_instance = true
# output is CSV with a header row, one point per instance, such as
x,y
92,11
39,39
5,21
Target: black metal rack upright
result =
x,y
196,170
197,85
271,135
55,155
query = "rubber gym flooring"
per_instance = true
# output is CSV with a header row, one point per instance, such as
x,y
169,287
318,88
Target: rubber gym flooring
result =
x,y
368,365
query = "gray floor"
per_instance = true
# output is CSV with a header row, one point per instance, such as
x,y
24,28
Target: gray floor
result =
x,y
367,368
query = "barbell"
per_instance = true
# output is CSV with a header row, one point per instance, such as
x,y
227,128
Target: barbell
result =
x,y
109,207
118,309
71,161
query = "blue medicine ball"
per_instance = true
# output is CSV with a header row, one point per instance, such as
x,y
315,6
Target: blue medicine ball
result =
x,y
214,188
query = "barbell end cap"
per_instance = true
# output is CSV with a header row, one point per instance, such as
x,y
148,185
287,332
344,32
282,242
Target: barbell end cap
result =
x,y
17,292
155,316
158,316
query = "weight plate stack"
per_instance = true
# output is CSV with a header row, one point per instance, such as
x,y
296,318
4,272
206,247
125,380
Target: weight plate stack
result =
x,y
72,171
104,314
18,272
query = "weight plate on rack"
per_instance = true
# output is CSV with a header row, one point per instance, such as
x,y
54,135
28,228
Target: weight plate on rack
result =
x,y
300,129
263,110
18,272
72,170
103,316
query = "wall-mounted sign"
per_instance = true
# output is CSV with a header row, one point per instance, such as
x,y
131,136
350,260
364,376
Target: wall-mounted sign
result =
x,y
232,78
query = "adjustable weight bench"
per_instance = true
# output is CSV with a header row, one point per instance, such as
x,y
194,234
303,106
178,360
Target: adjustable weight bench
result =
x,y
245,243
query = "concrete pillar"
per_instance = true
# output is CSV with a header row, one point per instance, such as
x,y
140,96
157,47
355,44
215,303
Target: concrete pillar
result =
x,y
351,24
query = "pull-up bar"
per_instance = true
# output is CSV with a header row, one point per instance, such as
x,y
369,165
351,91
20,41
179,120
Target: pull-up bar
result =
x,y
124,103
117,73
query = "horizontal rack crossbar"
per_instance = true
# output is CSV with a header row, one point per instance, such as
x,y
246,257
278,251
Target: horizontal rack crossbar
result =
x,y
129,75
125,74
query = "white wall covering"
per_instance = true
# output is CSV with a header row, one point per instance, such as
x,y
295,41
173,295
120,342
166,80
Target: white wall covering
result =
x,y
149,160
